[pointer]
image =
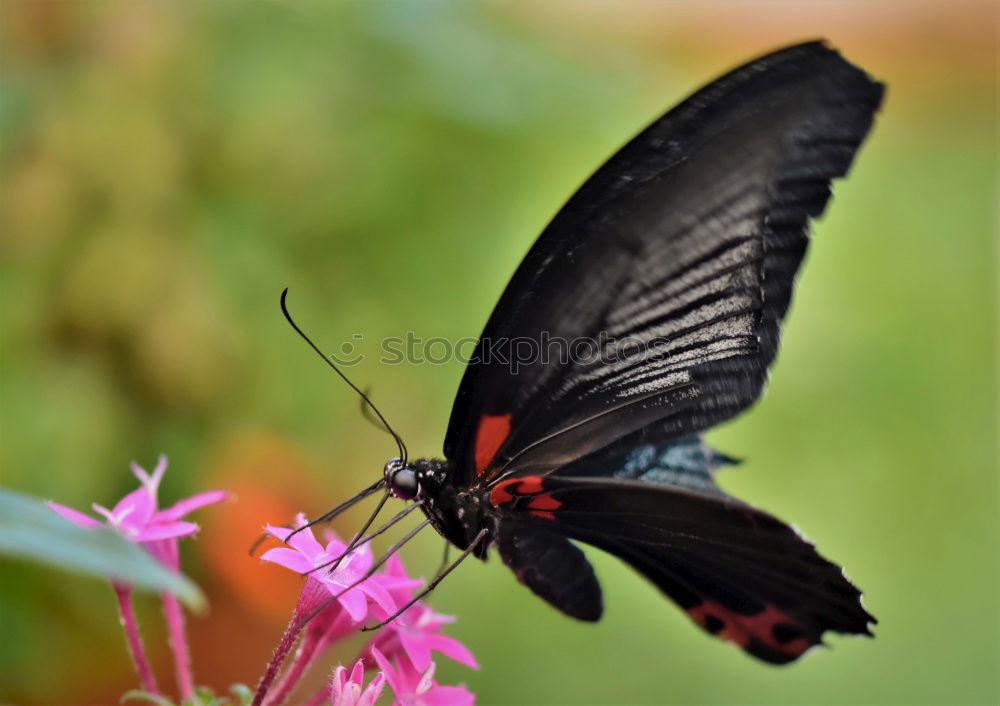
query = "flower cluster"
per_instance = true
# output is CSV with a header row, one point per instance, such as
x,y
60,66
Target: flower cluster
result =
x,y
341,592
137,517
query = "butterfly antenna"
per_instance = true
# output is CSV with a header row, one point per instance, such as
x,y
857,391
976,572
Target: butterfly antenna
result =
x,y
403,453
367,413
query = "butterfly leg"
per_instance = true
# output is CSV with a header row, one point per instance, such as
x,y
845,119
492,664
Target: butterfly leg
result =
x,y
433,584
444,558
371,570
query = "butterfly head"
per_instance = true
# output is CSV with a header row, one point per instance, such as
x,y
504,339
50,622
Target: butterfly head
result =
x,y
421,479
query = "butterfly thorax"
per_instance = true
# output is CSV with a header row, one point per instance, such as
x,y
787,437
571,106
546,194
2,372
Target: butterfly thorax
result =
x,y
457,513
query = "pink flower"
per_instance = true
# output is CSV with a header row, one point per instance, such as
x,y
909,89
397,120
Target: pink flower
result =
x,y
307,556
346,690
415,632
136,516
415,688
327,607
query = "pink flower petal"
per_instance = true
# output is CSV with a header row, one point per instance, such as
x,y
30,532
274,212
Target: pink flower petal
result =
x,y
380,596
394,567
140,473
104,512
135,509
306,543
74,516
452,649
278,532
339,678
355,604
426,682
448,696
167,551
150,481
392,583
429,621
346,690
401,589
416,649
152,533
289,558
358,673
396,681
190,504
340,692
353,566
374,690
161,468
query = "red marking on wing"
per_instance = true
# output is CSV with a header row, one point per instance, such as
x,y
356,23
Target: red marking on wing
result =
x,y
539,502
544,502
530,485
492,432
743,629
500,495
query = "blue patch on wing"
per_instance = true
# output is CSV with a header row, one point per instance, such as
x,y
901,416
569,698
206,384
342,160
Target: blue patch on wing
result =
x,y
688,462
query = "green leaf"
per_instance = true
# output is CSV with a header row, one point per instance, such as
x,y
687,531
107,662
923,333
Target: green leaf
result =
x,y
29,529
205,696
243,694
140,695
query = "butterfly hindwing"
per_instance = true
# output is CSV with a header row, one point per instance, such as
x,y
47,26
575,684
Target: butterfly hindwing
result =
x,y
553,568
739,573
675,260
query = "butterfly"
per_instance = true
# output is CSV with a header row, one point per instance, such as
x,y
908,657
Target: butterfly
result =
x,y
684,246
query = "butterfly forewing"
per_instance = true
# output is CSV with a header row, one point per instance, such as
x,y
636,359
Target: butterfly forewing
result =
x,y
677,259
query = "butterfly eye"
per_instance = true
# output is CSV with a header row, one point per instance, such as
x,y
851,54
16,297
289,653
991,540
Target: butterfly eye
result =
x,y
404,484
402,480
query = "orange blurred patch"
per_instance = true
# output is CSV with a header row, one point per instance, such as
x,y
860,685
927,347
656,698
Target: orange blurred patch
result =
x,y
270,481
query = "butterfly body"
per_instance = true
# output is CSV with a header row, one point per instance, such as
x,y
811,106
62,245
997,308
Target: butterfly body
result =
x,y
676,261
458,514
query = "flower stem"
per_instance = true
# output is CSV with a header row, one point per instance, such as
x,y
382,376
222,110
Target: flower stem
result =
x,y
147,680
179,645
301,660
329,626
280,653
308,651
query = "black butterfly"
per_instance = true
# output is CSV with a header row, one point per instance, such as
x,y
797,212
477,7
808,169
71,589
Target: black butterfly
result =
x,y
685,244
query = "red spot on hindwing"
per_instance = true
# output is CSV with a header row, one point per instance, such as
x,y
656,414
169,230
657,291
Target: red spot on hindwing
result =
x,y
530,485
500,495
540,503
544,502
745,630
493,430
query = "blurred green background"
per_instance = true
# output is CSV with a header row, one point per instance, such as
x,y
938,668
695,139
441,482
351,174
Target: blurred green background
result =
x,y
169,168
